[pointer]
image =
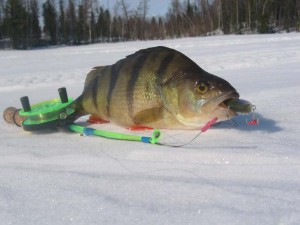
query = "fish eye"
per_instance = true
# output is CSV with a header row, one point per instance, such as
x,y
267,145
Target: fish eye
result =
x,y
202,87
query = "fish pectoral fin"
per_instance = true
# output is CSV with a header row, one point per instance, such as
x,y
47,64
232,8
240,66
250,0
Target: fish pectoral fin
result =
x,y
148,115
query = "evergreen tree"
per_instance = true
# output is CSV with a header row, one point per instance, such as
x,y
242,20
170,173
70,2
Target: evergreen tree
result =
x,y
62,25
154,29
189,10
115,34
1,29
103,25
107,24
1,18
15,23
297,15
290,14
175,18
81,26
50,24
141,18
189,20
125,20
71,22
162,33
35,29
93,27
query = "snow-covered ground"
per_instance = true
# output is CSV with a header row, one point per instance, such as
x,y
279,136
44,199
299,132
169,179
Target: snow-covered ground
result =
x,y
229,175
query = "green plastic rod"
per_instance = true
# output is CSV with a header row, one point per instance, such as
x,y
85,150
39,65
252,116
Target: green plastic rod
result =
x,y
115,135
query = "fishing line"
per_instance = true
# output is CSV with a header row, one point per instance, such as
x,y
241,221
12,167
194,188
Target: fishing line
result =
x,y
186,171
202,130
180,145
168,135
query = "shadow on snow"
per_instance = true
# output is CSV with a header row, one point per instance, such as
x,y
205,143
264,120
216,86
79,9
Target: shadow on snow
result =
x,y
240,123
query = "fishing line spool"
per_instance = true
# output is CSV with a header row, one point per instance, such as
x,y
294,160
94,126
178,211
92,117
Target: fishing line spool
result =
x,y
47,114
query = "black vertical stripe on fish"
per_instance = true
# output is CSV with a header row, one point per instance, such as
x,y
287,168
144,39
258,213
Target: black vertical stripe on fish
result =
x,y
133,78
115,72
94,92
163,67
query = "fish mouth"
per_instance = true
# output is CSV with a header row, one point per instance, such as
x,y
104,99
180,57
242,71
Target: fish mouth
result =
x,y
225,98
232,102
220,105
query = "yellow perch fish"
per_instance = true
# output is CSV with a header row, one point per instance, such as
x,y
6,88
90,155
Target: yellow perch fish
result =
x,y
158,87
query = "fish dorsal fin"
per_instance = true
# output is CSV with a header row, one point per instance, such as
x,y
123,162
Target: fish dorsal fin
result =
x,y
147,116
92,75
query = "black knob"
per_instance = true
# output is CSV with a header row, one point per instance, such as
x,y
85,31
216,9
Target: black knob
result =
x,y
25,104
63,95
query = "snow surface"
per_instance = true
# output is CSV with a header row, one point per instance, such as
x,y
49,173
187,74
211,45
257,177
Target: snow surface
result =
x,y
232,174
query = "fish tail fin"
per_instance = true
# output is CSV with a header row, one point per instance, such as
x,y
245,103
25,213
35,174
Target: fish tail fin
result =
x,y
79,110
81,104
78,103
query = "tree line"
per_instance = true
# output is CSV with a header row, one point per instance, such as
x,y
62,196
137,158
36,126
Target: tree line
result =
x,y
29,23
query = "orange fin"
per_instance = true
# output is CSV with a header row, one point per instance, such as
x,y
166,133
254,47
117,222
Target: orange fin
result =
x,y
96,119
139,128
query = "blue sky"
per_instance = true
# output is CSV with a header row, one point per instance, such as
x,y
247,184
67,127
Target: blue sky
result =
x,y
156,7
